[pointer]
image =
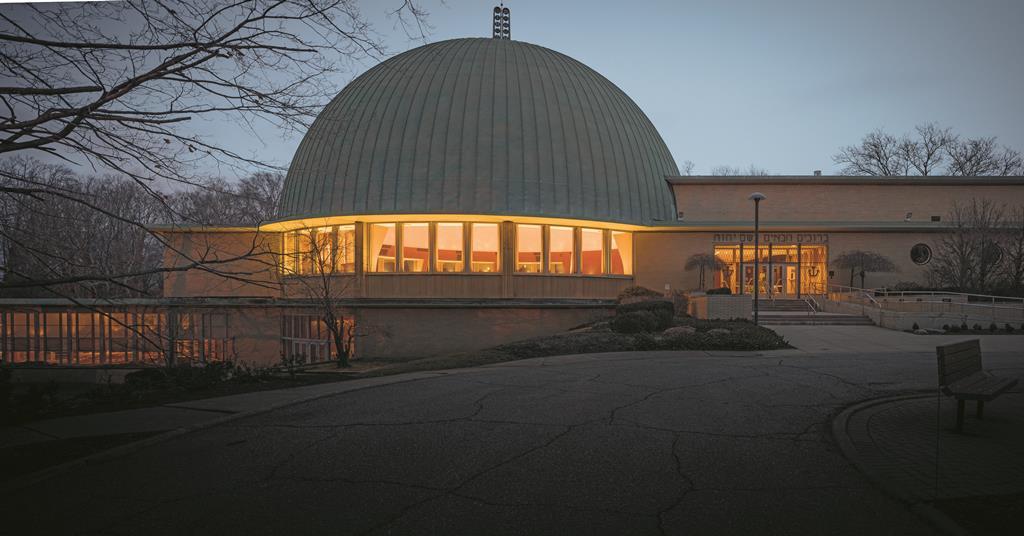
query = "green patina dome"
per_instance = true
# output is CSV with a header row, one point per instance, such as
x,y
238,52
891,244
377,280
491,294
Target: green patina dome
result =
x,y
482,126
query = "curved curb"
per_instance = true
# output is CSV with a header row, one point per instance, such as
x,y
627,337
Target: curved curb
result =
x,y
129,448
927,512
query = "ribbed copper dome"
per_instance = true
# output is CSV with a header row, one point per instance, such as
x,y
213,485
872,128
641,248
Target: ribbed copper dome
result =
x,y
482,126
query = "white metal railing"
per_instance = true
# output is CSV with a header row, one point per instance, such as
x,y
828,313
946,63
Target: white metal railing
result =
x,y
993,308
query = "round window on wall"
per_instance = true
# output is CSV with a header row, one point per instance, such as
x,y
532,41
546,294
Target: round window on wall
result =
x,y
991,253
921,254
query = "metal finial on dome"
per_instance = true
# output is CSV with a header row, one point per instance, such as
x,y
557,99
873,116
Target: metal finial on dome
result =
x,y
502,23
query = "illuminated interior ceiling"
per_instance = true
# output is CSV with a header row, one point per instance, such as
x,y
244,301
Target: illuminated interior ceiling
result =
x,y
485,127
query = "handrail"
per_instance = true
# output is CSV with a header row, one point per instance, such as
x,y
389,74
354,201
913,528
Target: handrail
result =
x,y
809,300
888,292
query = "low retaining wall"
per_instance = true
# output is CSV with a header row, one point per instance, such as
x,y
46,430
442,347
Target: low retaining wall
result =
x,y
400,333
905,320
720,306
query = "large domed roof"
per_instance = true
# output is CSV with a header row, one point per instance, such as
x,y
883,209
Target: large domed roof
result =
x,y
482,126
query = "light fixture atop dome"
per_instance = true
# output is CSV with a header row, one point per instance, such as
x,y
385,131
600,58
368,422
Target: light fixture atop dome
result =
x,y
502,23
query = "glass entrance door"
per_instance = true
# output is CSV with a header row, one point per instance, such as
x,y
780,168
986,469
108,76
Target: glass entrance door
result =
x,y
785,270
748,279
784,279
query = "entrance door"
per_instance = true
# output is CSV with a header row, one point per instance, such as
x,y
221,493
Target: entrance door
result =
x,y
784,279
748,279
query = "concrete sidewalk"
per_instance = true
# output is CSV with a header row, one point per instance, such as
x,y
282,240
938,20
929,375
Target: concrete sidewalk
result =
x,y
895,441
862,340
183,415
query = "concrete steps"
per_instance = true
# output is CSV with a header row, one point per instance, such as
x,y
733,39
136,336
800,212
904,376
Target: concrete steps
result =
x,y
816,319
784,305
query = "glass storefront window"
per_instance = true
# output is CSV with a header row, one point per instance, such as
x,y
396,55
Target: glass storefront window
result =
x,y
561,247
591,251
484,244
529,248
416,247
445,247
622,253
346,254
383,247
785,269
320,249
449,247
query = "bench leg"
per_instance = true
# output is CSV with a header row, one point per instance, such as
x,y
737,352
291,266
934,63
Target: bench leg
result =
x,y
959,415
980,413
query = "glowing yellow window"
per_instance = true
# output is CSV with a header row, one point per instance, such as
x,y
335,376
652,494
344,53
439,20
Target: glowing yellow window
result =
x,y
529,248
321,250
415,247
562,244
346,254
591,251
622,253
450,247
383,247
484,244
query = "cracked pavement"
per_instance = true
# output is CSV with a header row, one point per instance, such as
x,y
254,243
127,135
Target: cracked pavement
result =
x,y
617,443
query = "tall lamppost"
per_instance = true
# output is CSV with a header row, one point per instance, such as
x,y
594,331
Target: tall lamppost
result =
x,y
756,197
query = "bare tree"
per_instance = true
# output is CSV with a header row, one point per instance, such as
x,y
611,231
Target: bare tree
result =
x,y
861,262
753,171
703,262
687,168
879,153
115,86
883,154
251,201
323,265
926,153
982,156
970,254
1013,250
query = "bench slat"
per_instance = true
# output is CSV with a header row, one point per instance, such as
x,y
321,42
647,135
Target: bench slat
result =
x,y
959,357
947,377
958,346
980,385
958,360
963,366
989,394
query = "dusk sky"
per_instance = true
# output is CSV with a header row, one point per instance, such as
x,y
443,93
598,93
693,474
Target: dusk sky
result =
x,y
778,84
781,84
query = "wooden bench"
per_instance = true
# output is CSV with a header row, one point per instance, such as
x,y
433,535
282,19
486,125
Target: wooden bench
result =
x,y
961,376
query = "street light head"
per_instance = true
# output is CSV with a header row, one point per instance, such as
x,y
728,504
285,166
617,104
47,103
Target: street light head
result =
x,y
757,196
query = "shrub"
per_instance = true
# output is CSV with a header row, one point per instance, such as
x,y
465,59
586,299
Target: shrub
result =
x,y
714,291
945,327
681,302
993,327
146,379
646,342
638,292
976,327
635,322
954,329
915,327
663,311
907,286
963,326
1009,328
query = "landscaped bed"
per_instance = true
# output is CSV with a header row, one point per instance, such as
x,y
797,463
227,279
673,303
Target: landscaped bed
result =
x,y
974,329
644,322
650,324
